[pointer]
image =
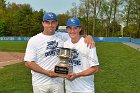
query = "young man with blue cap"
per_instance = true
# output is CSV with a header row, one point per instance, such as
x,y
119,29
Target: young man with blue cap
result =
x,y
41,57
85,62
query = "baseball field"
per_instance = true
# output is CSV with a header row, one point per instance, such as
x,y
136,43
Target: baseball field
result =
x,y
119,68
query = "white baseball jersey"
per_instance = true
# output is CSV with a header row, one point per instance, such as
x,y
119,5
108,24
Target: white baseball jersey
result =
x,y
43,50
84,58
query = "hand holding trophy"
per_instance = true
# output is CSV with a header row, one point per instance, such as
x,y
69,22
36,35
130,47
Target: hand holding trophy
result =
x,y
63,68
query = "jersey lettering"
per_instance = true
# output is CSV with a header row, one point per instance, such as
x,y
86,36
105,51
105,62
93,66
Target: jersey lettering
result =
x,y
75,62
52,46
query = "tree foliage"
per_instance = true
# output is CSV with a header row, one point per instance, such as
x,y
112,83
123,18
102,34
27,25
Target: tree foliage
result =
x,y
108,17
98,17
19,20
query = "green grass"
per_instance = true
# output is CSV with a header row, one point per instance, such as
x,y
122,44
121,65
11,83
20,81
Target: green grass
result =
x,y
15,79
119,71
11,46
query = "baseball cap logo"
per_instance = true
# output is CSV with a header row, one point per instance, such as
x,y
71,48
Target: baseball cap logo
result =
x,y
51,15
72,20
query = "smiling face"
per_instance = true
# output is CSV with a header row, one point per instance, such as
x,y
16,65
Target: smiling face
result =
x,y
49,27
74,32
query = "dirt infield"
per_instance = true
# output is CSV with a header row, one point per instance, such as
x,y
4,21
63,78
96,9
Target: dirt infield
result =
x,y
8,58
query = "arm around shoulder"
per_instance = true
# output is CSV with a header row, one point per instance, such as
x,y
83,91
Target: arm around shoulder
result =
x,y
89,41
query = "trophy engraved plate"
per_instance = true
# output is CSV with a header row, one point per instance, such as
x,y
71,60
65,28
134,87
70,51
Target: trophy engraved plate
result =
x,y
63,67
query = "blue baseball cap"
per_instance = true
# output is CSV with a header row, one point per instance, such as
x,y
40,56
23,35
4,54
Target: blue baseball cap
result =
x,y
73,22
49,16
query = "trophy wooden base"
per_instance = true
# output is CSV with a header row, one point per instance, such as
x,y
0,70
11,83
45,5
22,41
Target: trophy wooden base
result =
x,y
63,70
62,75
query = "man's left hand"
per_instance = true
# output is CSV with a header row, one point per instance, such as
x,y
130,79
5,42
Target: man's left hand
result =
x,y
90,42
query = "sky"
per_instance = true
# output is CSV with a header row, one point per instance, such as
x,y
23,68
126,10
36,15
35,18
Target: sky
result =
x,y
56,6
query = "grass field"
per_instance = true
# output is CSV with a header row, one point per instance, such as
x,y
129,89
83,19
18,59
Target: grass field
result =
x,y
119,70
15,79
11,46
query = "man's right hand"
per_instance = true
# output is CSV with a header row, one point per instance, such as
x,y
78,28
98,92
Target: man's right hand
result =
x,y
51,73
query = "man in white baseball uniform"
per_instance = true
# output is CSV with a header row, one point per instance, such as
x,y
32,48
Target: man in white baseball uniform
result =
x,y
41,56
85,61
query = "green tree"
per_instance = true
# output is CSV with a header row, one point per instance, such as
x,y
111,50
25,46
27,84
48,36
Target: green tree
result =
x,y
2,28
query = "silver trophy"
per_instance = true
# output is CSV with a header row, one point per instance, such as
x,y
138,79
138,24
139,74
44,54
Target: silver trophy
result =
x,y
63,67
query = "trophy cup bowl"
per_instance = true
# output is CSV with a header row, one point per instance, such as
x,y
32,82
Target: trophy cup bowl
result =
x,y
63,67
